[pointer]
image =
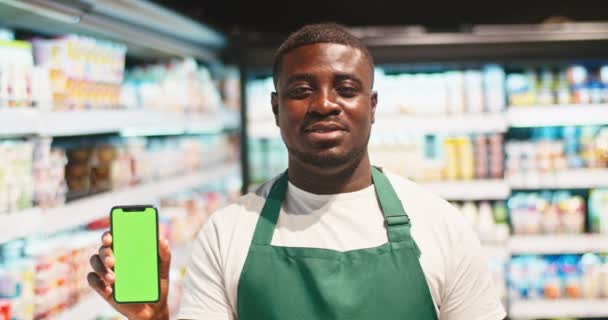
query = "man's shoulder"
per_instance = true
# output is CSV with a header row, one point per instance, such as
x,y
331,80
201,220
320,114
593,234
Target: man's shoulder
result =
x,y
243,209
419,202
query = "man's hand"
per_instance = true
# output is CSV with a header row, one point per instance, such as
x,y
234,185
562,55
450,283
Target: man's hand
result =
x,y
103,277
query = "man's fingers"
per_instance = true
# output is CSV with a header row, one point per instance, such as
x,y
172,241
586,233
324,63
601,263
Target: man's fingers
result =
x,y
98,285
106,275
107,257
106,239
165,258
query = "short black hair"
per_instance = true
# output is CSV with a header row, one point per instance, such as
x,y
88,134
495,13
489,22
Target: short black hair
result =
x,y
318,33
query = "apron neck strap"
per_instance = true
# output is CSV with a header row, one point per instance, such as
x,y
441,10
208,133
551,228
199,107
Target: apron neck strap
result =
x,y
397,221
264,229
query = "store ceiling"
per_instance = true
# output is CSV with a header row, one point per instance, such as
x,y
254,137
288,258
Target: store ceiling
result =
x,y
281,17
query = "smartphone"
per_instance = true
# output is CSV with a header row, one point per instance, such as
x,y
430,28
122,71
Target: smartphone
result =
x,y
136,263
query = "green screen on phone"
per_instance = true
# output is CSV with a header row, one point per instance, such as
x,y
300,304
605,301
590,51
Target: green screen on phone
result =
x,y
135,246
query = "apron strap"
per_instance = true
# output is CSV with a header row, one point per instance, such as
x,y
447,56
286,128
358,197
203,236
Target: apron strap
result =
x,y
397,221
264,228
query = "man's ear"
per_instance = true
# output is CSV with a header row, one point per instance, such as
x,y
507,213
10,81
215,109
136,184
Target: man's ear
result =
x,y
274,101
374,102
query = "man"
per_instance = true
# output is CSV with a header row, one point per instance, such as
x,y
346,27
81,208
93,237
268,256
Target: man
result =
x,y
333,237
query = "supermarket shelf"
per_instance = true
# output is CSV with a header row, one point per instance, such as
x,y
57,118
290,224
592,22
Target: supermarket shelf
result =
x,y
129,122
568,115
88,308
560,308
134,23
85,210
491,189
13,225
385,123
17,122
447,124
558,244
566,179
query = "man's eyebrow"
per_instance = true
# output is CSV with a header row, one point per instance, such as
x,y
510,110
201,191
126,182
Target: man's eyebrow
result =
x,y
348,76
308,77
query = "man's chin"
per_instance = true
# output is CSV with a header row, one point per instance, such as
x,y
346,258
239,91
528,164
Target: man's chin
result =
x,y
327,158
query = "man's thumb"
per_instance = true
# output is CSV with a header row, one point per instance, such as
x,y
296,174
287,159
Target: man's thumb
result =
x,y
165,258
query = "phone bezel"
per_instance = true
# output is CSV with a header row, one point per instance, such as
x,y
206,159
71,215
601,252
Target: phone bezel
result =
x,y
137,208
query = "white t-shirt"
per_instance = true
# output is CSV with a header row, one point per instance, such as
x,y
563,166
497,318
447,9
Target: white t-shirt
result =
x,y
452,260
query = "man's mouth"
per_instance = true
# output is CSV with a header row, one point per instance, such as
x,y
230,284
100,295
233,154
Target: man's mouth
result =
x,y
323,132
325,127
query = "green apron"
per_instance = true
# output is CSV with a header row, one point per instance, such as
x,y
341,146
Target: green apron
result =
x,y
384,282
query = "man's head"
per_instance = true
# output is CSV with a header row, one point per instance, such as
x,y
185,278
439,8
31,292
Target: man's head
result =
x,y
324,103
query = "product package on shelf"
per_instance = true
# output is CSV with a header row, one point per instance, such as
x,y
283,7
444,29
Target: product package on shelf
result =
x,y
101,166
84,73
436,157
547,212
16,183
553,150
488,219
42,278
16,74
576,84
440,93
598,211
555,277
181,86
49,174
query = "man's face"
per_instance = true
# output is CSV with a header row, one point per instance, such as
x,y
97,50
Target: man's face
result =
x,y
324,104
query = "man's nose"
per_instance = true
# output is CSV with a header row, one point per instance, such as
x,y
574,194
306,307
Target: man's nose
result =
x,y
324,103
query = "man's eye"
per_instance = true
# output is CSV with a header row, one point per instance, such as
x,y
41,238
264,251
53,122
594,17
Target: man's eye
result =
x,y
347,91
299,92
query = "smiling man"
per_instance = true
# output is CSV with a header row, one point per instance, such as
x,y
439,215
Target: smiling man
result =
x,y
333,237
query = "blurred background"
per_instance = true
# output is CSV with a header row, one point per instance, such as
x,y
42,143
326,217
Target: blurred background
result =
x,y
501,108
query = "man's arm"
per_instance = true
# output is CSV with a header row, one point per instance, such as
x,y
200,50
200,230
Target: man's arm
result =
x,y
469,290
204,294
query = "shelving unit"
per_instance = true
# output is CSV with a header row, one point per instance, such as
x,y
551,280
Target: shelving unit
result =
x,y
128,122
560,308
446,124
567,115
490,189
558,244
82,211
566,179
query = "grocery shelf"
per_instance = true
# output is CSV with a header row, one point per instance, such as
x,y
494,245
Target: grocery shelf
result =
x,y
490,189
79,212
563,115
558,244
559,308
17,122
565,179
128,122
20,224
134,23
87,308
448,124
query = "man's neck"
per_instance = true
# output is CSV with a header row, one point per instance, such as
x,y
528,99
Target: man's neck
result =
x,y
348,178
